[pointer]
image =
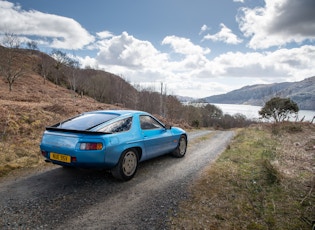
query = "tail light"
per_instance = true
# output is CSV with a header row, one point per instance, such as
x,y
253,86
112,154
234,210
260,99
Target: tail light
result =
x,y
44,153
91,146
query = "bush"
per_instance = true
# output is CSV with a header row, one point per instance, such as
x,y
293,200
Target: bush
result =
x,y
279,109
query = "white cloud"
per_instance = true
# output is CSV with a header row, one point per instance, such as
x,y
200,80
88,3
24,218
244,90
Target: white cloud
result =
x,y
141,61
233,70
278,23
186,68
277,66
197,89
203,29
194,74
184,46
225,34
64,32
104,34
126,51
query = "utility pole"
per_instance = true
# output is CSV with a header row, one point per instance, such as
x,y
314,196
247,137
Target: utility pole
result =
x,y
161,100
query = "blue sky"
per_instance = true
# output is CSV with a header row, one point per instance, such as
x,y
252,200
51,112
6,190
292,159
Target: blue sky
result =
x,y
196,48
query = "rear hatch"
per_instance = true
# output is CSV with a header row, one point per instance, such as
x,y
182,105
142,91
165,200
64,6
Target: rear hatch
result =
x,y
65,147
76,141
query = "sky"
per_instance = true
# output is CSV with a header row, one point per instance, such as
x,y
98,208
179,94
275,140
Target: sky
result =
x,y
195,48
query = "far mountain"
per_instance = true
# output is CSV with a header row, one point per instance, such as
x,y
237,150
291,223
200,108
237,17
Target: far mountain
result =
x,y
302,92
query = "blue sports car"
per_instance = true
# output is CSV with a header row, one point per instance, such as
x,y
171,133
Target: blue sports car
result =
x,y
111,139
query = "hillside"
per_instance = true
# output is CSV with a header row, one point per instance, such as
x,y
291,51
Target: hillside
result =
x,y
61,69
48,92
302,92
26,111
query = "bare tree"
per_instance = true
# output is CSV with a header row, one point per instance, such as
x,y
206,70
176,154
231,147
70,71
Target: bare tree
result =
x,y
10,68
11,40
98,88
62,60
44,67
173,107
73,75
149,101
82,82
32,45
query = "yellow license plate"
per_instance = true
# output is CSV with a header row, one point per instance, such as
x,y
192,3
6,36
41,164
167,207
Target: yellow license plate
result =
x,y
60,157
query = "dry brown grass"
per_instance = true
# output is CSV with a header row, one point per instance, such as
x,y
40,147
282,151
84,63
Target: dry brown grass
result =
x,y
265,180
32,105
26,111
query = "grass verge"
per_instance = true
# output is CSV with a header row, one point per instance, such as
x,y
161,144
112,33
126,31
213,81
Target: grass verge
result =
x,y
264,180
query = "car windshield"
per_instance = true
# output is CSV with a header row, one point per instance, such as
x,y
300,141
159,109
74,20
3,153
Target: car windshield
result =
x,y
86,121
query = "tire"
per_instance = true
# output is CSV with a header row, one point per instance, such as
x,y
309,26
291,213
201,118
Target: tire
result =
x,y
127,165
181,148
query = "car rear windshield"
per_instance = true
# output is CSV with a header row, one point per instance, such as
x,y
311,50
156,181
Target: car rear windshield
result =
x,y
85,121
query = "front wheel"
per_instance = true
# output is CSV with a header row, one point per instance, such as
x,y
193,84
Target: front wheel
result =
x,y
127,165
181,148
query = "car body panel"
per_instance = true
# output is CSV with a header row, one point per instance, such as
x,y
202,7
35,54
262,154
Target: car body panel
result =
x,y
128,134
157,142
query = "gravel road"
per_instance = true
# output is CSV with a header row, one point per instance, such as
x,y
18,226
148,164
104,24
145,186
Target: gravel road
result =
x,y
58,198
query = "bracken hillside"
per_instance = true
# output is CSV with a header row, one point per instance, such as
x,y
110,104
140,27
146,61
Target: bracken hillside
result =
x,y
27,110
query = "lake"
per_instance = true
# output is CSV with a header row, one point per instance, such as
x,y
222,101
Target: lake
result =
x,y
251,111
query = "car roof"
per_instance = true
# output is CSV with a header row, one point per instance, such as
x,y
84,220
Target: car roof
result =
x,y
118,112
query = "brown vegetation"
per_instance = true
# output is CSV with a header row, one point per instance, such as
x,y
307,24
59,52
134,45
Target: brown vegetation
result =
x,y
51,89
109,88
264,180
27,110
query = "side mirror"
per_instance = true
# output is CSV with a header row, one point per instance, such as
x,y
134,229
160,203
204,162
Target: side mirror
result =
x,y
168,126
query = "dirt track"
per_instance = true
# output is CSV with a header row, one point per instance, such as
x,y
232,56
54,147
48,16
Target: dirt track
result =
x,y
57,198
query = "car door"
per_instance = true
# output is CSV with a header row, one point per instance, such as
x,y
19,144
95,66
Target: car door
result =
x,y
157,139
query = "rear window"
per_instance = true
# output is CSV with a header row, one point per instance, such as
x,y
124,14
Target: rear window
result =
x,y
85,121
118,126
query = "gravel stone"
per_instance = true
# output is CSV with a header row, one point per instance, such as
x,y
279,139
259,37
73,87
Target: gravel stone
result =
x,y
59,198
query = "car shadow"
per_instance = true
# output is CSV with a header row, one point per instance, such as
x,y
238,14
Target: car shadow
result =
x,y
71,184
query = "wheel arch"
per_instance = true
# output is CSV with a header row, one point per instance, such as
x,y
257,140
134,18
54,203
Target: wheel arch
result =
x,y
137,148
139,151
185,135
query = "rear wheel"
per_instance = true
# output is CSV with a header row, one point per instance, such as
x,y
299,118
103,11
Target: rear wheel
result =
x,y
127,165
181,148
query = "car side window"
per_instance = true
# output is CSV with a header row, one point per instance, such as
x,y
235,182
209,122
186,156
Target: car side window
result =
x,y
118,126
148,122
